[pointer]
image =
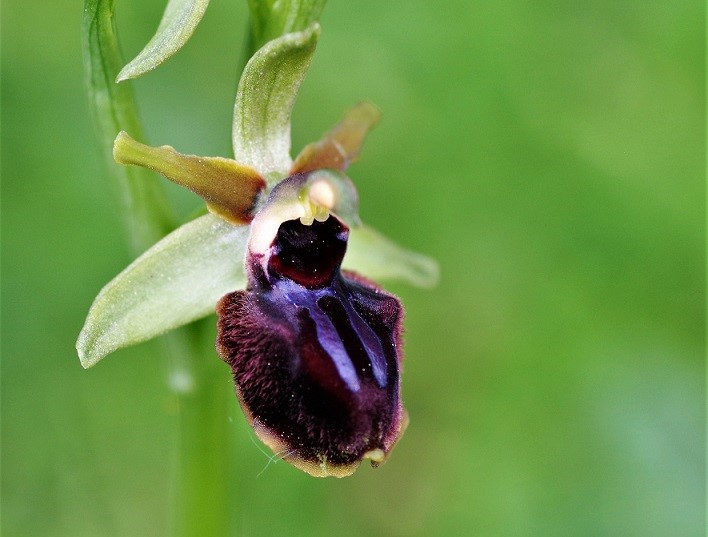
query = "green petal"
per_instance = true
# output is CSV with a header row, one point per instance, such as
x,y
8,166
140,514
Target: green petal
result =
x,y
374,256
272,19
230,189
176,27
265,98
340,146
178,280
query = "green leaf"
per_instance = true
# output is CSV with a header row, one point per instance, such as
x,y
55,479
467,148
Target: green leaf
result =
x,y
264,102
376,257
178,280
230,189
142,199
273,18
176,27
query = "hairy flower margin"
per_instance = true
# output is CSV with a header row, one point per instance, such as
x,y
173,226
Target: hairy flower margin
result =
x,y
315,350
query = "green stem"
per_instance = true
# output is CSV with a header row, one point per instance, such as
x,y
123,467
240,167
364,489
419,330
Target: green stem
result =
x,y
199,381
143,203
270,20
206,443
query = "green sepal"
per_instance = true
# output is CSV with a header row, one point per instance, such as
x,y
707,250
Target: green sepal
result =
x,y
264,102
375,256
230,189
176,27
177,281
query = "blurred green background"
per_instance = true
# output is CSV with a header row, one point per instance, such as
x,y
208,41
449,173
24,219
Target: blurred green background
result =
x,y
549,154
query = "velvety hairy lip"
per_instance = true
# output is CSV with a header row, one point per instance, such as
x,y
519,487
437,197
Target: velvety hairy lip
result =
x,y
315,352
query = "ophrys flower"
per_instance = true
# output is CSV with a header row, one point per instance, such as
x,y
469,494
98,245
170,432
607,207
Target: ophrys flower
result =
x,y
315,351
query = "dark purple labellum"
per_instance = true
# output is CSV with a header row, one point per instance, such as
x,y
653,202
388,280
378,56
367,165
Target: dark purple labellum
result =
x,y
315,353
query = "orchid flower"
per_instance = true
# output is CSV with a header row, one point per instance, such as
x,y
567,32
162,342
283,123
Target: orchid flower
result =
x,y
314,344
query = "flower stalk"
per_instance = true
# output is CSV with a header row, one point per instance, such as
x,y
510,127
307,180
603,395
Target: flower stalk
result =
x,y
204,503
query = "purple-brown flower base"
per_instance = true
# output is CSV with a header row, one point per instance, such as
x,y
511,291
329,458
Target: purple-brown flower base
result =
x,y
315,353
